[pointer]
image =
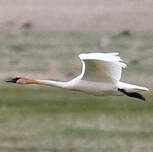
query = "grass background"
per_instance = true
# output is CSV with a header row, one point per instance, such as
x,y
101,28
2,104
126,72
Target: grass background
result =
x,y
47,119
42,40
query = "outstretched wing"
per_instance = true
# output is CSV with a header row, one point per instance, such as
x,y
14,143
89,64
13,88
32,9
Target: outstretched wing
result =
x,y
101,67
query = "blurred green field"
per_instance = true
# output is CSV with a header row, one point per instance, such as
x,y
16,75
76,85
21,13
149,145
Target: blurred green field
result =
x,y
45,119
52,120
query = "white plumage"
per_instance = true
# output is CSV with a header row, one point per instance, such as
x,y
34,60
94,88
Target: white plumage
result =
x,y
100,75
111,62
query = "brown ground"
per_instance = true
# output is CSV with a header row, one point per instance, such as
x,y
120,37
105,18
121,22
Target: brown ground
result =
x,y
111,15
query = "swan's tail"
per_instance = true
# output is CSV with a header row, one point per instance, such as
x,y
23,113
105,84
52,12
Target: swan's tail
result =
x,y
131,87
131,90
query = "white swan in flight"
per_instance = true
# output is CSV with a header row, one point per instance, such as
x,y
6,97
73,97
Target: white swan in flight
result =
x,y
100,75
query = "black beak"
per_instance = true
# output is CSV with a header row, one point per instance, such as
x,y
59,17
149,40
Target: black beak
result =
x,y
13,80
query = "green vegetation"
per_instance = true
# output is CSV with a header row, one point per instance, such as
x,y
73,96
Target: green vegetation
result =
x,y
48,119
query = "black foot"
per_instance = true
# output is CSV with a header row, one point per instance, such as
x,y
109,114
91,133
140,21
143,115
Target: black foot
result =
x,y
132,94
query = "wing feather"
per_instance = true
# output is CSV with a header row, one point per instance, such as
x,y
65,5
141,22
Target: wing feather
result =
x,y
102,67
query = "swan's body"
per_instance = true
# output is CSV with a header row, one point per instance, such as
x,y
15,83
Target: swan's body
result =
x,y
100,75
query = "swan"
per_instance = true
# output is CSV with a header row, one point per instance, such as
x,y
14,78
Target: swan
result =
x,y
100,75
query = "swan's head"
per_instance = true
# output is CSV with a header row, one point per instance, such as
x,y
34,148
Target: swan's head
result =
x,y
21,80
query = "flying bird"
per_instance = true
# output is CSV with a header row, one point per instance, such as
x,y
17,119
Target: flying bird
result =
x,y
100,75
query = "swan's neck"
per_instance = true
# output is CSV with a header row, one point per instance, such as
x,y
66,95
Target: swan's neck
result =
x,y
52,83
42,82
